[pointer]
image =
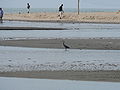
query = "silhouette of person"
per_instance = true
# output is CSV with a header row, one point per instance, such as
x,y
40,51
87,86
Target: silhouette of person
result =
x,y
61,11
1,15
28,7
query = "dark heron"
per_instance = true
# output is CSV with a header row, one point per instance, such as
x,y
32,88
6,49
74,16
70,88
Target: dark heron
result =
x,y
65,46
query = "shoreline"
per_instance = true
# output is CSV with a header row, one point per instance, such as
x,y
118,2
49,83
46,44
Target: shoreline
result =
x,y
106,76
59,21
30,28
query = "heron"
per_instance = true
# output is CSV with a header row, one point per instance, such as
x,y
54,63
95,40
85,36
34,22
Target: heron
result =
x,y
65,46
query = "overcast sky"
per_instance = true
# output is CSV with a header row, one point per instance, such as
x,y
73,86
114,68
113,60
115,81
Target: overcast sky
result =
x,y
56,3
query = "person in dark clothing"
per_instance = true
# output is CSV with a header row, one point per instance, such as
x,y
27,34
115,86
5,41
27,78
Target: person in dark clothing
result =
x,y
28,7
1,15
61,11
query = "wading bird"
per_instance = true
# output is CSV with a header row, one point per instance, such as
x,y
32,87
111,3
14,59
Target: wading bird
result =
x,y
65,46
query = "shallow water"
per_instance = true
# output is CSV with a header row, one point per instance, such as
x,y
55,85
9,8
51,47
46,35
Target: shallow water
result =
x,y
7,83
59,34
43,55
77,30
36,59
61,25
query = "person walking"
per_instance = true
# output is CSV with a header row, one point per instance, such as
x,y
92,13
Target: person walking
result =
x,y
61,11
28,7
1,15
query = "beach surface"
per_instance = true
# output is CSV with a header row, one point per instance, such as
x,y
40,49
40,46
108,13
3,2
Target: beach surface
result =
x,y
74,43
86,43
78,44
91,17
73,64
107,76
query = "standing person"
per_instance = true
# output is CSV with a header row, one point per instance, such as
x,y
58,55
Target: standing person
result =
x,y
28,7
1,15
61,11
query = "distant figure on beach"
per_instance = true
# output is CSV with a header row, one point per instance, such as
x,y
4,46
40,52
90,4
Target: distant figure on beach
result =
x,y
28,7
118,11
1,15
61,11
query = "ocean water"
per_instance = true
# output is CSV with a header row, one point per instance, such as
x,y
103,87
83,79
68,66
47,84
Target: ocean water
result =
x,y
24,10
20,55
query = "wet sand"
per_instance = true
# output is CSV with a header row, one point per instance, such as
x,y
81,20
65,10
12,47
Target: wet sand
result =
x,y
109,76
87,43
30,28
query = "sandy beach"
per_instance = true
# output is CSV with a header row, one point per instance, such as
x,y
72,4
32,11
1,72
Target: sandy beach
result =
x,y
54,45
90,17
76,43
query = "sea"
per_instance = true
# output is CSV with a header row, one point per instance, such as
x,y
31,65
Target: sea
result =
x,y
34,10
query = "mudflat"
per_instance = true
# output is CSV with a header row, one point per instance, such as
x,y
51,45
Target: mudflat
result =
x,y
83,43
109,76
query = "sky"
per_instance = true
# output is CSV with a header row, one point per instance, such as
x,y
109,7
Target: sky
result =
x,y
56,3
